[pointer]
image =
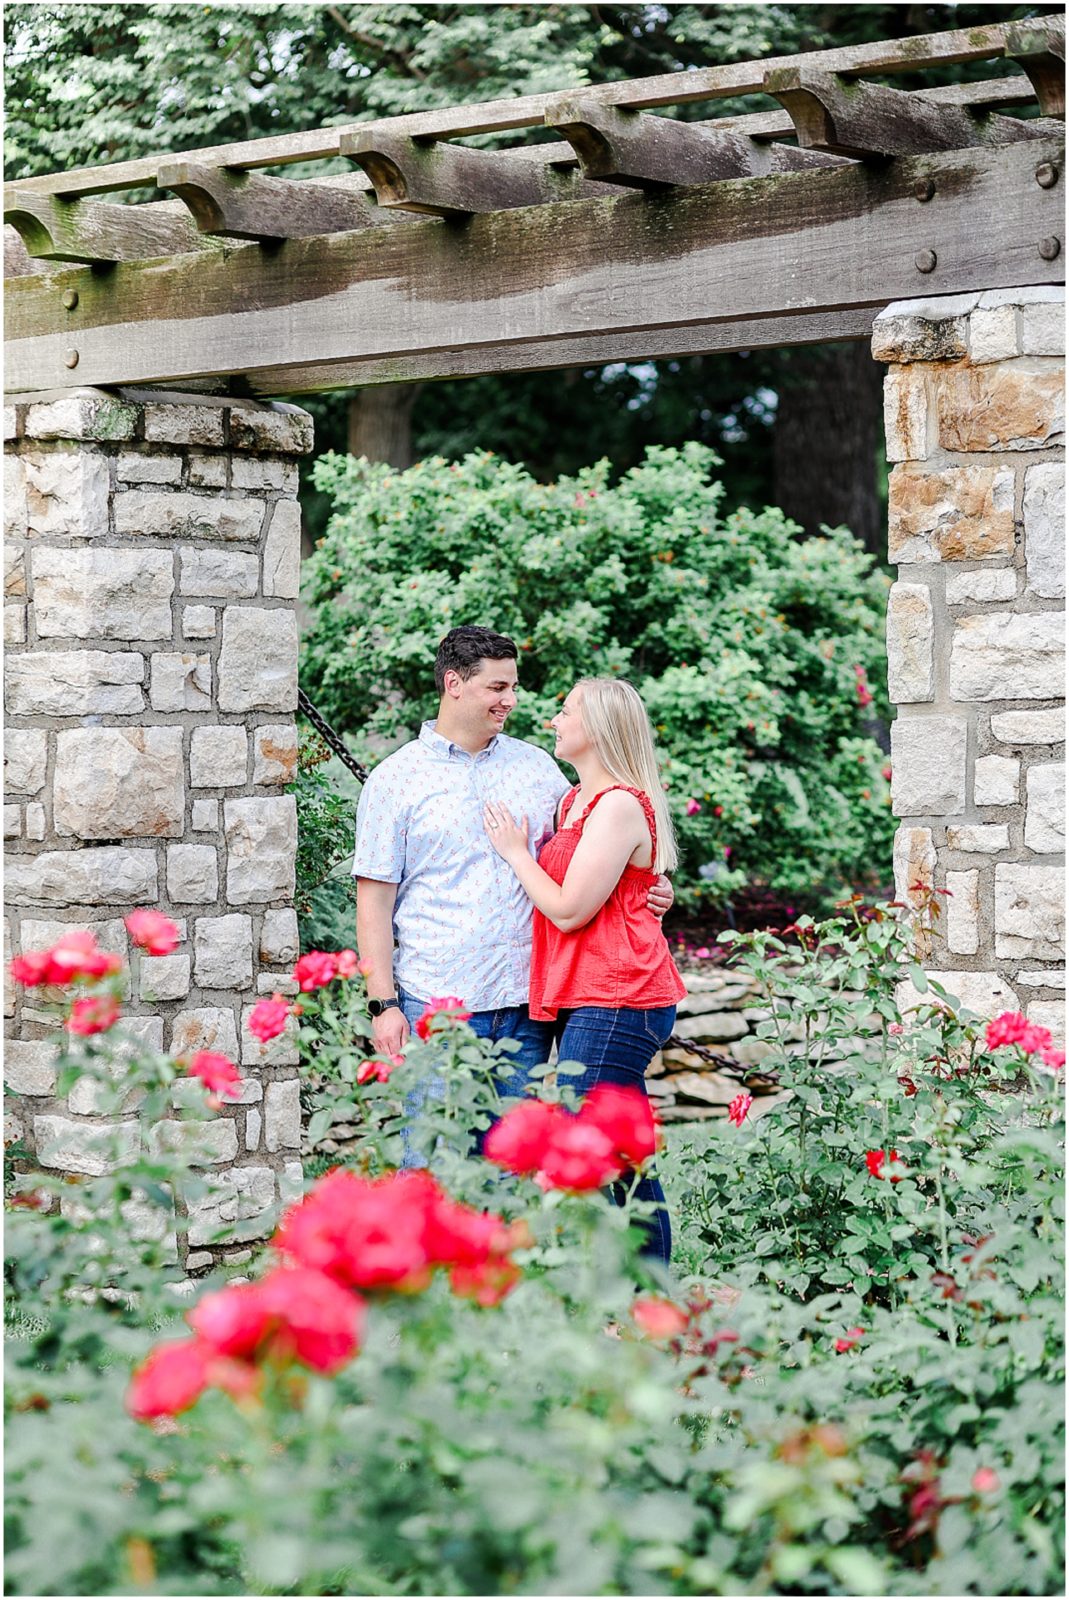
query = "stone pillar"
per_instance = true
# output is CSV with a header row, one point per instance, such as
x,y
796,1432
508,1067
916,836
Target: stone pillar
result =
x,y
151,570
975,634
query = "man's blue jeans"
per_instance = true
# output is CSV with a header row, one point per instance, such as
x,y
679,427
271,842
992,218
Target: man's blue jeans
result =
x,y
616,1045
508,1022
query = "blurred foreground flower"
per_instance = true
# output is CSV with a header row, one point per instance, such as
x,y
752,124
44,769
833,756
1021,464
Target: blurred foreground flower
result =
x,y
155,933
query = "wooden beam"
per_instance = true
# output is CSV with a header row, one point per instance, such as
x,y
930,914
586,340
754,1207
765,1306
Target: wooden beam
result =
x,y
448,180
526,111
644,152
1039,47
866,119
241,205
738,251
94,232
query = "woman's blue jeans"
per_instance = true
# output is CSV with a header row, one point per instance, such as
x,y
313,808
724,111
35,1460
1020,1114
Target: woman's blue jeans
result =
x,y
616,1046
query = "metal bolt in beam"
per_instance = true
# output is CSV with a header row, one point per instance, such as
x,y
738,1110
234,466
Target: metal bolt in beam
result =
x,y
925,260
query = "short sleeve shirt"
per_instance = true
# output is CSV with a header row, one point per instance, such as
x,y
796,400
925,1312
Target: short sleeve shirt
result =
x,y
462,918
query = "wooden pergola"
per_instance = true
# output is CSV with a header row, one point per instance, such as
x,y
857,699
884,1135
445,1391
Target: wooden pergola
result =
x,y
630,236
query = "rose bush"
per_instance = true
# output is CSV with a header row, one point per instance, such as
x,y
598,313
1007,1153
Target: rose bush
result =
x,y
847,1387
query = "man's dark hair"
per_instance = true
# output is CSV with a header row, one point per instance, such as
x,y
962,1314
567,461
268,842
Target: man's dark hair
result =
x,y
463,648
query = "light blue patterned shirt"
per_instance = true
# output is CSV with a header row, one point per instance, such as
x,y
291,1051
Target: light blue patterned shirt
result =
x,y
462,918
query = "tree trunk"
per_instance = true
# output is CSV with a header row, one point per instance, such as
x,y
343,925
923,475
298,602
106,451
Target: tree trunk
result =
x,y
380,423
826,442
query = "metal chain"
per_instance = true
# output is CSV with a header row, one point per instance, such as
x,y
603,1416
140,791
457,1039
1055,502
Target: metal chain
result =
x,y
753,1077
327,734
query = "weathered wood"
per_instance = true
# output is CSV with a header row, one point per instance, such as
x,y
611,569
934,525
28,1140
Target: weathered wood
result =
x,y
850,118
525,111
446,180
736,251
243,205
644,152
92,231
1040,50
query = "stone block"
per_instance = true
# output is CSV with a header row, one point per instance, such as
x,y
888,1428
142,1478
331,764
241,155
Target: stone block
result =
x,y
261,839
223,951
187,516
40,933
92,1148
1029,911
205,817
1049,1014
1043,329
1018,405
12,423
274,757
12,821
985,994
282,1115
992,583
1044,821
9,987
923,330
218,757
1044,529
910,643
30,1066
99,876
240,1206
282,1051
982,838
192,874
207,471
1003,655
74,683
14,573
180,682
258,660
993,334
252,473
14,624
83,414
957,514
199,622
928,765
164,977
1029,727
184,424
282,551
289,431
136,467
16,508
219,574
995,781
253,1128
205,1028
35,820
136,1036
119,783
906,409
963,913
202,1143
103,593
275,983
1043,978
278,937
66,494
291,1182
25,760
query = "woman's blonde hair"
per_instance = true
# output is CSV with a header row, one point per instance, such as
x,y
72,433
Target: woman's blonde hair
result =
x,y
619,729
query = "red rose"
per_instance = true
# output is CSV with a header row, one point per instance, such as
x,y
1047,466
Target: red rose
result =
x,y
877,1160
848,1340
579,1157
347,963
294,1313
365,1233
267,1019
520,1139
172,1379
75,955
1053,1060
216,1072
626,1118
1005,1029
447,1006
93,1014
317,968
739,1109
154,932
659,1319
1035,1039
985,1480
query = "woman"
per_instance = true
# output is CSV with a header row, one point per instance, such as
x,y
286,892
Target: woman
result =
x,y
600,967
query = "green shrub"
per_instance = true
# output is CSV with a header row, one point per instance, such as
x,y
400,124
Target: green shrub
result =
x,y
745,639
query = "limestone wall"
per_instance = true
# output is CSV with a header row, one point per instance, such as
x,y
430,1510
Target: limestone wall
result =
x,y
151,569
975,634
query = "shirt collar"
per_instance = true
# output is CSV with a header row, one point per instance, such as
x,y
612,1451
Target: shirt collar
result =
x,y
445,749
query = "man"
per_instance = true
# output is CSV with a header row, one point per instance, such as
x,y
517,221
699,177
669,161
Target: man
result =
x,y
427,873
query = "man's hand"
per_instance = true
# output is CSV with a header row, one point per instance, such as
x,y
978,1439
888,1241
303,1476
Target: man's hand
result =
x,y
390,1032
661,897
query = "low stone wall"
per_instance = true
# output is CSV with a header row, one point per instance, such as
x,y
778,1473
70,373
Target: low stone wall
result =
x,y
151,568
976,636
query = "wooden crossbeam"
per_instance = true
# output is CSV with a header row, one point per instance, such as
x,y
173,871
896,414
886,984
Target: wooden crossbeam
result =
x,y
865,119
526,111
1039,47
644,152
417,299
243,205
94,232
447,180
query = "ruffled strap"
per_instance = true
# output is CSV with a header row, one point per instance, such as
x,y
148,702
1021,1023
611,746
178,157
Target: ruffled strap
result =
x,y
643,799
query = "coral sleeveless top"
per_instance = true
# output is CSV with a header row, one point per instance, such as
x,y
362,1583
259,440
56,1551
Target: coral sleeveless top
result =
x,y
620,958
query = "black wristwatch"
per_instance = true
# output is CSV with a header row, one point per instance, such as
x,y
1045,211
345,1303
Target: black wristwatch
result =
x,y
377,1007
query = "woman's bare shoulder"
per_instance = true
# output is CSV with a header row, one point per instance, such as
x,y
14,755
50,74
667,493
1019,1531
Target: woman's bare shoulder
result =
x,y
618,807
